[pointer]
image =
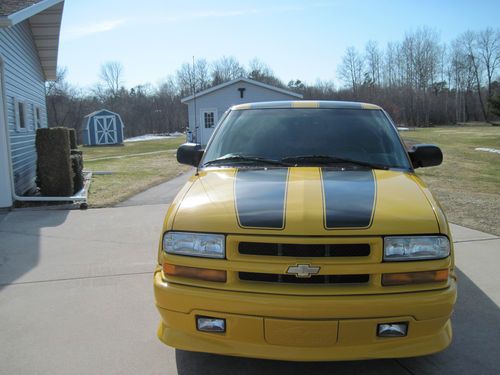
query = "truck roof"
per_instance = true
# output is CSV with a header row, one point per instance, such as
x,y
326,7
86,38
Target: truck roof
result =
x,y
306,104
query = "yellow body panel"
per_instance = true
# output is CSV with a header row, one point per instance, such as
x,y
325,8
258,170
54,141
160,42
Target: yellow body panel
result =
x,y
356,317
297,321
209,206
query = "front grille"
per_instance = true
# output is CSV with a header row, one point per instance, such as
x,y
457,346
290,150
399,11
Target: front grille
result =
x,y
314,279
301,250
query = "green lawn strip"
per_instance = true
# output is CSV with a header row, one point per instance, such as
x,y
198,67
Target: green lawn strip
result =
x,y
132,173
130,155
468,182
131,148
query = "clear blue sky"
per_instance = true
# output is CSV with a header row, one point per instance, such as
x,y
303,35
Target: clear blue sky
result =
x,y
297,39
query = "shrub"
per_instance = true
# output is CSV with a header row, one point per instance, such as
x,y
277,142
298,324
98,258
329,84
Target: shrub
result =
x,y
54,170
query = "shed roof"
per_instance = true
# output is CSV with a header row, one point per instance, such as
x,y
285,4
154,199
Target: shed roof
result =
x,y
242,79
45,20
86,119
99,111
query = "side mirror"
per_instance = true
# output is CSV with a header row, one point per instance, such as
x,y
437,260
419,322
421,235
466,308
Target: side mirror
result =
x,y
425,155
190,154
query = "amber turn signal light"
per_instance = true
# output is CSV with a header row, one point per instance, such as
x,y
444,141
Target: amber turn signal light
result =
x,y
405,278
194,273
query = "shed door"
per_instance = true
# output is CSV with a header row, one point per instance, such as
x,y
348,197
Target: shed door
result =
x,y
208,122
105,130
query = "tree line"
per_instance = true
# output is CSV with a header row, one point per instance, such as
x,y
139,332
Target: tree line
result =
x,y
418,80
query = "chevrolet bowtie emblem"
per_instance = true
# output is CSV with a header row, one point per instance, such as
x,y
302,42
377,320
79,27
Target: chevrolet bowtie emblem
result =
x,y
303,270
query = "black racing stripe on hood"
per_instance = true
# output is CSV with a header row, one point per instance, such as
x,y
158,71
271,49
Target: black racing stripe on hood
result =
x,y
348,198
260,196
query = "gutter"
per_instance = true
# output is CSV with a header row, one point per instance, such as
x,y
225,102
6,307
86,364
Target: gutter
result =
x,y
22,14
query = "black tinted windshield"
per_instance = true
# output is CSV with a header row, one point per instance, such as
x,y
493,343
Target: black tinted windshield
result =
x,y
277,134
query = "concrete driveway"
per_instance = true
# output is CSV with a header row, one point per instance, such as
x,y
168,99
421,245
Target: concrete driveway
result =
x,y
76,297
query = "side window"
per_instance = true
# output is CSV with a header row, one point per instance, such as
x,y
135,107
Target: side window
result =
x,y
209,119
37,117
20,108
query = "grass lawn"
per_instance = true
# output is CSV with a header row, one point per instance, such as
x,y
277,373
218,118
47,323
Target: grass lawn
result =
x,y
134,167
467,184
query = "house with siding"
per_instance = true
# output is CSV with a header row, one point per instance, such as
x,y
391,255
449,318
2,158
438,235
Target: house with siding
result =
x,y
29,41
205,108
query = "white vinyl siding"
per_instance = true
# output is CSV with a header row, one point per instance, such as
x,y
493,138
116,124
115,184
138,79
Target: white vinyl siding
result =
x,y
24,82
221,99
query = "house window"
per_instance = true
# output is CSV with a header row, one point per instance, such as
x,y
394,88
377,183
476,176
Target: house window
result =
x,y
20,115
38,118
209,119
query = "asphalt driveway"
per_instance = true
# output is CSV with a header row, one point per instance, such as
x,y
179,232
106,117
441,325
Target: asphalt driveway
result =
x,y
76,297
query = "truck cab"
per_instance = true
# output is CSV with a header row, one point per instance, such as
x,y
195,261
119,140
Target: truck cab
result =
x,y
306,235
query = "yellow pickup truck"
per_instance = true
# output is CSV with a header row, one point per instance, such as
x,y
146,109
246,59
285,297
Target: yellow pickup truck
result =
x,y
306,235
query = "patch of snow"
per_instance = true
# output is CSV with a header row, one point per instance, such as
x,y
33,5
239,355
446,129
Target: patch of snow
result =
x,y
486,149
403,129
151,137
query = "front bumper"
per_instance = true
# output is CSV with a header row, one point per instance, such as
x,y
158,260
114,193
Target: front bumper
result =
x,y
304,328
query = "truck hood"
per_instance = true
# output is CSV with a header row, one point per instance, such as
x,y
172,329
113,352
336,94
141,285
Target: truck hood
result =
x,y
305,201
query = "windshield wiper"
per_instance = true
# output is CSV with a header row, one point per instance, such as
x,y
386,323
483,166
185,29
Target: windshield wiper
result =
x,y
327,159
236,158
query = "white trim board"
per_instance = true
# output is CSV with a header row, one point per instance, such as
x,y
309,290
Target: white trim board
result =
x,y
5,176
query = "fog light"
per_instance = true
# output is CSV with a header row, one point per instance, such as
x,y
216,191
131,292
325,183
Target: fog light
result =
x,y
392,329
207,324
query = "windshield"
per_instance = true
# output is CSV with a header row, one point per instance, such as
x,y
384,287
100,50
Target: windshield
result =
x,y
302,133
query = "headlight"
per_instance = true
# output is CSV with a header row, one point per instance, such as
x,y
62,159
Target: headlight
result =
x,y
194,244
416,248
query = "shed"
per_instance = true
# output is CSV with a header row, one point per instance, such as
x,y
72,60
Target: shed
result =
x,y
29,42
205,108
102,127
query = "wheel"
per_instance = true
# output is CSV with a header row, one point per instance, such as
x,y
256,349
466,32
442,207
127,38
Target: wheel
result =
x,y
84,206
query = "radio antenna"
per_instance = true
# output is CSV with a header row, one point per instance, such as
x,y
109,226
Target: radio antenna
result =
x,y
194,104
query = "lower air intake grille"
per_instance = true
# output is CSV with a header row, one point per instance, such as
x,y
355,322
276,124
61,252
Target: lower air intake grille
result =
x,y
315,279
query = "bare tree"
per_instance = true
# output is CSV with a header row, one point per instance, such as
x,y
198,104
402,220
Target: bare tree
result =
x,y
111,76
488,46
226,69
351,70
193,77
373,62
260,71
64,103
469,39
390,65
